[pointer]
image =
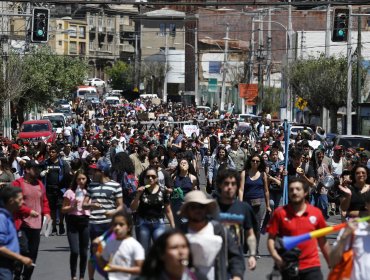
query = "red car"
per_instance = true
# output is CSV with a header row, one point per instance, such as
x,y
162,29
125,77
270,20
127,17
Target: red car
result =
x,y
36,131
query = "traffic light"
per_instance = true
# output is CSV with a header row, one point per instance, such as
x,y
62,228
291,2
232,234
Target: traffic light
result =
x,y
340,25
40,25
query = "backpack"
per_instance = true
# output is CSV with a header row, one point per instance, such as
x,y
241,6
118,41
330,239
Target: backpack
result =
x,y
129,184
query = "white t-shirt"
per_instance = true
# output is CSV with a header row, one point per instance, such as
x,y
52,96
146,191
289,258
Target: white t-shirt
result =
x,y
361,251
124,253
67,131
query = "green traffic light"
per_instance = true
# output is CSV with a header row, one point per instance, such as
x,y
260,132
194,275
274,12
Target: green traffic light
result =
x,y
40,32
341,33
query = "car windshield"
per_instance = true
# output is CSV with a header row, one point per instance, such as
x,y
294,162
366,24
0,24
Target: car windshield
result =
x,y
56,122
355,143
35,127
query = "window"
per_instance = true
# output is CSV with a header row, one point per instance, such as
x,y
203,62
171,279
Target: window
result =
x,y
100,24
109,23
60,43
60,26
162,29
91,45
82,48
73,48
73,32
172,30
91,21
82,31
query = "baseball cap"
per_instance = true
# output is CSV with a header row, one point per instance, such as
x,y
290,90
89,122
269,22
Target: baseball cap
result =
x,y
31,164
337,148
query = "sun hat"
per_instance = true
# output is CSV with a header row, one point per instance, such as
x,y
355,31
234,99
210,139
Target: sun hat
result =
x,y
201,198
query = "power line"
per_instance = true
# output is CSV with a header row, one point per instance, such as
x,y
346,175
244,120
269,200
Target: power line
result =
x,y
189,3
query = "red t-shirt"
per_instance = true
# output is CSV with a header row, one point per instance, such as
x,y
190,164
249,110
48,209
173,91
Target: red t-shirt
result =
x,y
285,222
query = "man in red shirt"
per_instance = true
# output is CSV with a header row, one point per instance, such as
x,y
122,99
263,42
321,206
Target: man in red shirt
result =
x,y
299,217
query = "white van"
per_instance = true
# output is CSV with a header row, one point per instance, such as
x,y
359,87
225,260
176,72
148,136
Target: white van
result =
x,y
112,100
85,90
58,120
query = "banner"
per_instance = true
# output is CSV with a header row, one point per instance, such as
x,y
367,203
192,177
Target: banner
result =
x,y
249,92
190,129
212,85
214,67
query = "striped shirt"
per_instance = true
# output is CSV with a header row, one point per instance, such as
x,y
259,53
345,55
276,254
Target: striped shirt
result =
x,y
106,194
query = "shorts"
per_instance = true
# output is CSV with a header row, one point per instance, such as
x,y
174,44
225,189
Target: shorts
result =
x,y
96,230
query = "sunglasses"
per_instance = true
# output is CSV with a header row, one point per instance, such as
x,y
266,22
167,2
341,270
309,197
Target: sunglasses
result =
x,y
196,206
93,161
151,177
255,161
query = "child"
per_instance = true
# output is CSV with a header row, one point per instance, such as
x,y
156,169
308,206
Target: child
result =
x,y
123,256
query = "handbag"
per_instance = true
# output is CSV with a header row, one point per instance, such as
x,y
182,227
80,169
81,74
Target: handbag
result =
x,y
343,270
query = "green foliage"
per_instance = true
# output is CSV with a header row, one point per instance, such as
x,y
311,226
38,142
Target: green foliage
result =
x,y
51,76
322,82
271,100
121,74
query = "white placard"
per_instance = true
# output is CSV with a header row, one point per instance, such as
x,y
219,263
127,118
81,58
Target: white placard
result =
x,y
190,129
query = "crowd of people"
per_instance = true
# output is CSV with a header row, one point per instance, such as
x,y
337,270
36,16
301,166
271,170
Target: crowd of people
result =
x,y
128,195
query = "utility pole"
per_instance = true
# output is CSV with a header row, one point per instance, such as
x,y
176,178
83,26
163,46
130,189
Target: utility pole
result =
x,y
269,50
224,69
325,113
251,57
136,65
165,69
5,52
349,73
359,60
290,40
196,69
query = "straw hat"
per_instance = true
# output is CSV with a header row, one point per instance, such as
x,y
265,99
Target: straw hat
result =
x,y
201,198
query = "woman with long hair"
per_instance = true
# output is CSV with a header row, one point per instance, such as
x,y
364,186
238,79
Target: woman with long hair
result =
x,y
170,258
123,172
184,182
254,189
77,222
151,203
352,200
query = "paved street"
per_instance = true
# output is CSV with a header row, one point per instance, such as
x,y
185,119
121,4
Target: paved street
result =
x,y
54,258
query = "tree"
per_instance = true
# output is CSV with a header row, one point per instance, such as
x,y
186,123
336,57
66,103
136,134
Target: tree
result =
x,y
322,82
153,73
48,76
271,100
121,74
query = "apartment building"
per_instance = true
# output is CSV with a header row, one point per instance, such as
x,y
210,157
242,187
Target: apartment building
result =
x,y
69,37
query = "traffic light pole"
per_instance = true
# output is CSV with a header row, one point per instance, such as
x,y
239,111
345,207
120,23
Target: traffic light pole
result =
x,y
349,73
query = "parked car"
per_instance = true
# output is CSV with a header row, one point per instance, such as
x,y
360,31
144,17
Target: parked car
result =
x,y
95,82
353,141
36,131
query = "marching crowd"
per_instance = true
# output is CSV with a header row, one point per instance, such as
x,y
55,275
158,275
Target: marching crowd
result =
x,y
128,196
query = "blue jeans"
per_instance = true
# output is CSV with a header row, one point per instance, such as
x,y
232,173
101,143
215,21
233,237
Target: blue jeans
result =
x,y
6,273
149,229
321,202
275,199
